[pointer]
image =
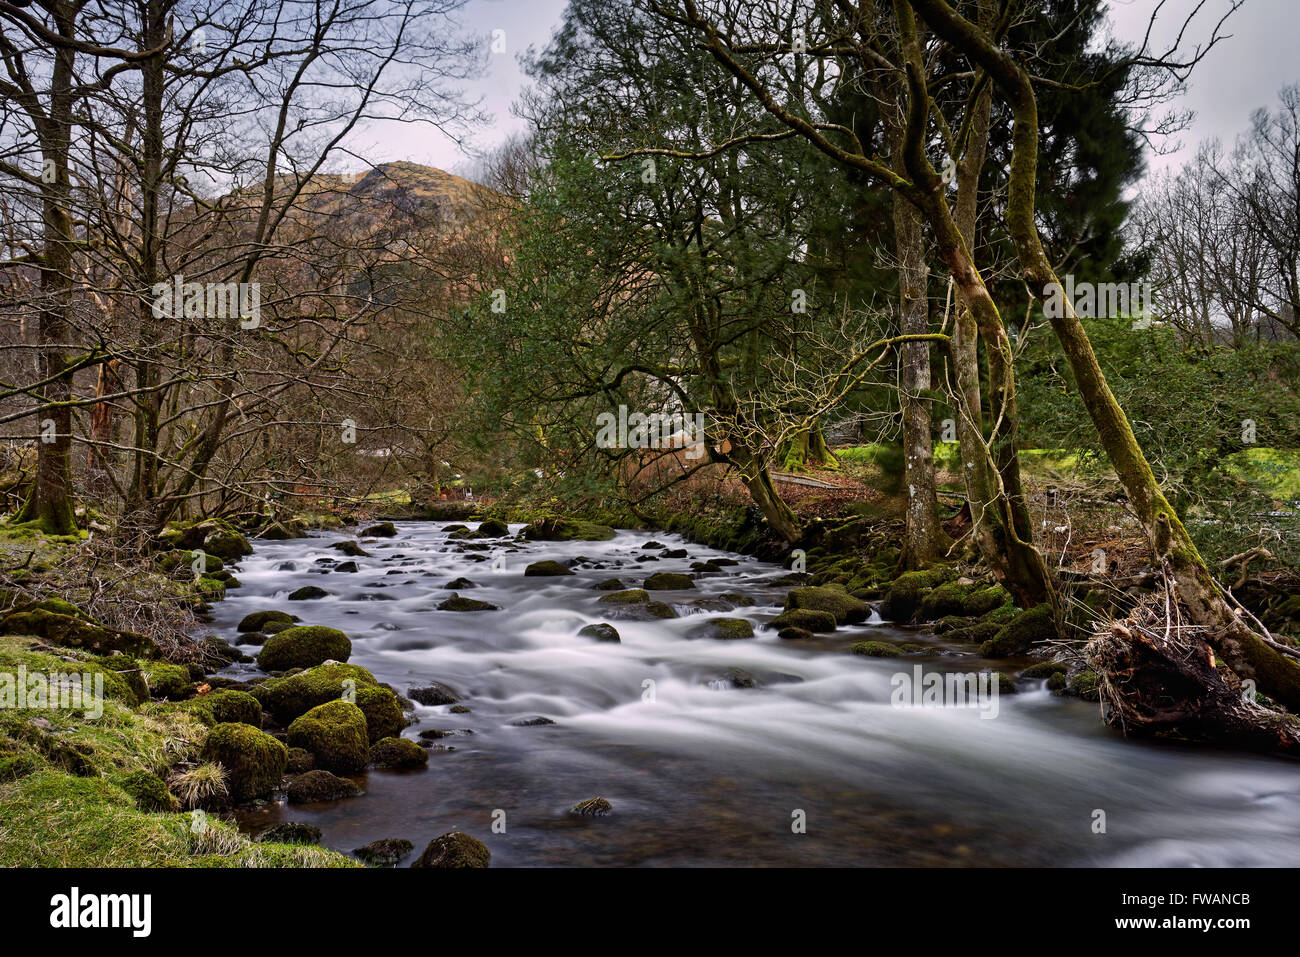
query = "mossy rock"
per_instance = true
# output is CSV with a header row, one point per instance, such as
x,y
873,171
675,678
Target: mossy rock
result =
x,y
845,608
592,807
1004,683
492,528
610,584
459,603
546,568
433,694
380,530
454,849
335,734
567,530
282,531
628,596
70,631
318,785
166,680
806,619
1045,669
601,631
294,695
304,646
723,629
351,549
398,753
290,832
387,852
267,622
794,634
947,599
149,792
254,761
308,593
905,593
668,581
642,611
1020,634
976,633
300,761
876,649
225,707
1085,684
382,709
228,545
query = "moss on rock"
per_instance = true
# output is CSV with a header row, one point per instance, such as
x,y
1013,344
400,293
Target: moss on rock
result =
x,y
254,761
335,734
876,649
398,753
267,622
806,619
304,646
1020,634
454,849
845,608
723,629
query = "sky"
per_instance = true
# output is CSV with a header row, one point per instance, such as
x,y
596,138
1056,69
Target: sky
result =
x,y
1241,74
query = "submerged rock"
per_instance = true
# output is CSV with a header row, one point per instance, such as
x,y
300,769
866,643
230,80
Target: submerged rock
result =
x,y
387,852
457,603
723,629
454,849
307,593
267,622
290,832
546,568
351,549
398,753
433,694
876,649
592,807
320,786
669,581
601,631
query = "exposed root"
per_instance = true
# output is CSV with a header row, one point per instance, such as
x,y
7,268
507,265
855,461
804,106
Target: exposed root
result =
x,y
1158,676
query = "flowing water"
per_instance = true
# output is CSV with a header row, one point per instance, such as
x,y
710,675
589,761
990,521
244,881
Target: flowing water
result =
x,y
700,772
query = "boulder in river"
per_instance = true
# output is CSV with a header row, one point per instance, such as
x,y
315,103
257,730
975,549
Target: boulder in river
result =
x,y
1027,629
601,631
566,530
254,761
380,530
320,786
457,603
351,549
592,807
290,832
454,849
386,852
304,646
610,584
268,622
722,629
546,568
876,649
846,609
307,593
335,734
492,528
433,694
459,583
807,619
399,753
668,581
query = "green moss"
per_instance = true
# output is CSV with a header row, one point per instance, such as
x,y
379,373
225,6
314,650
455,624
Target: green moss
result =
x,y
398,753
546,569
668,581
167,680
566,530
77,632
294,695
225,707
228,545
335,734
454,850
268,622
254,761
1085,684
876,649
304,646
629,596
148,791
1021,633
845,608
723,629
905,593
805,619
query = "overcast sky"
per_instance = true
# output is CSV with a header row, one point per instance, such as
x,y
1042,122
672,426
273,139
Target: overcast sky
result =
x,y
1240,75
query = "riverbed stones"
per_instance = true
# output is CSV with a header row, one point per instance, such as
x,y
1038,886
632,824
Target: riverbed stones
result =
x,y
791,633
610,584
904,594
253,760
459,584
380,530
433,694
459,603
296,694
300,761
335,734
398,753
225,706
304,646
493,528
386,852
601,631
536,721
320,785
846,609
347,568
454,849
566,530
546,569
962,598
722,629
228,545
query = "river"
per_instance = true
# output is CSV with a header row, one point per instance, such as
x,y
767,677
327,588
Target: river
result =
x,y
813,766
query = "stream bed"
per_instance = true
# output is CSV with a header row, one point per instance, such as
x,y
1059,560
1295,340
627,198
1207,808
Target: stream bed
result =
x,y
701,772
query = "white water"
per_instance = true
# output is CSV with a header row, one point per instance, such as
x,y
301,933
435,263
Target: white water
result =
x,y
711,774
